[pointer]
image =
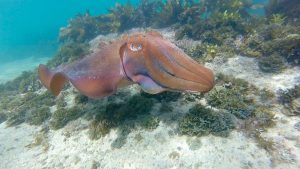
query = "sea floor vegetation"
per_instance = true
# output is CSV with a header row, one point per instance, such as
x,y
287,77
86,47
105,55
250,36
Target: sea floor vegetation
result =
x,y
205,30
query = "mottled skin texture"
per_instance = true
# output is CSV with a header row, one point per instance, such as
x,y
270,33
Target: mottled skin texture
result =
x,y
147,59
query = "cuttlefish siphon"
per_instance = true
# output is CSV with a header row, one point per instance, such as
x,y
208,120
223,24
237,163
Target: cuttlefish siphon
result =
x,y
147,59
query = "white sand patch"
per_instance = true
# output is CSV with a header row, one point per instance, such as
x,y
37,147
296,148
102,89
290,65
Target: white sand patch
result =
x,y
247,68
11,70
13,153
159,149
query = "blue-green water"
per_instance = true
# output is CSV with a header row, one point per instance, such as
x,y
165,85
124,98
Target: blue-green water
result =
x,y
29,28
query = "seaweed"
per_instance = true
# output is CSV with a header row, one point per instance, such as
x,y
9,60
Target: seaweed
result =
x,y
62,116
132,113
287,96
200,121
26,82
277,19
41,139
289,8
3,117
124,16
69,52
219,20
37,116
81,29
30,108
166,96
127,16
16,117
264,117
177,11
290,99
81,99
60,101
271,64
231,94
121,139
99,128
148,122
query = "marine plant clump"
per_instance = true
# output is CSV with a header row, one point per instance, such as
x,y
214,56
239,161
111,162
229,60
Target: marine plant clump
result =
x,y
290,99
37,116
32,108
26,82
63,115
180,11
148,122
166,96
231,95
218,20
134,112
274,46
289,8
231,99
277,19
99,128
69,52
271,64
236,96
3,117
200,121
81,29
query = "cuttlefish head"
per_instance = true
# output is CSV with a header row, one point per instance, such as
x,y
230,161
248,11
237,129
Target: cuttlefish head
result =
x,y
158,65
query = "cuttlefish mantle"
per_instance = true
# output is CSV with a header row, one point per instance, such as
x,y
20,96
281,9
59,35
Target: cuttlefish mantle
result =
x,y
147,59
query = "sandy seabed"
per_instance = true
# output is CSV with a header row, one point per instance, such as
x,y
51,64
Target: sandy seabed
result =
x,y
11,70
161,148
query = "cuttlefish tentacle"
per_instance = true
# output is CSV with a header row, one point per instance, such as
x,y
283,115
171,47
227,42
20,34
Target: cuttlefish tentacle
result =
x,y
147,59
173,66
188,63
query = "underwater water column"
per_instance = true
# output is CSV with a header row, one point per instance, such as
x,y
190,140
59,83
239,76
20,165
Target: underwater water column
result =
x,y
29,29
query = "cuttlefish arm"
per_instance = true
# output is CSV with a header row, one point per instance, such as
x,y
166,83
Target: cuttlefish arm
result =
x,y
158,65
147,59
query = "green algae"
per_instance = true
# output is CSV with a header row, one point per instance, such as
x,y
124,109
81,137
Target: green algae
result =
x,y
271,64
149,122
37,116
24,83
81,29
32,108
62,116
200,121
231,95
289,8
3,117
290,99
166,96
69,52
99,128
134,113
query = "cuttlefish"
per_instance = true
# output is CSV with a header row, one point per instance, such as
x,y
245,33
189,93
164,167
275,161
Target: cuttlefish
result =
x,y
146,59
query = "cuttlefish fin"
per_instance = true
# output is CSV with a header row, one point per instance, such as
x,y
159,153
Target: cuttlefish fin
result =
x,y
89,86
53,81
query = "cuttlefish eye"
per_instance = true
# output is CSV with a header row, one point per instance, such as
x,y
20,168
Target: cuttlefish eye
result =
x,y
135,47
